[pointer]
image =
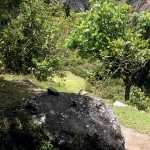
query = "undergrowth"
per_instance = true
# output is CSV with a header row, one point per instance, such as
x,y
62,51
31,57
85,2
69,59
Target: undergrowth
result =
x,y
113,90
17,130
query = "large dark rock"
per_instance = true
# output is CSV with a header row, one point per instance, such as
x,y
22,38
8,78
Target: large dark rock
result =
x,y
75,122
52,91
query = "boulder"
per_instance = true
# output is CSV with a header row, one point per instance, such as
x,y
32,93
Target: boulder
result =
x,y
76,122
52,91
120,104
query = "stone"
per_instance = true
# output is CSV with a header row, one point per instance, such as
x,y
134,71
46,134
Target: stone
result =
x,y
81,92
117,103
77,122
52,91
139,5
84,93
74,104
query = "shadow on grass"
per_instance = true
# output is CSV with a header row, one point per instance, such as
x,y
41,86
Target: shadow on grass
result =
x,y
12,92
17,130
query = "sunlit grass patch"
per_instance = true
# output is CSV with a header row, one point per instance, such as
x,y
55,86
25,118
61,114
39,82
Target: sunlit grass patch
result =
x,y
71,83
132,118
12,92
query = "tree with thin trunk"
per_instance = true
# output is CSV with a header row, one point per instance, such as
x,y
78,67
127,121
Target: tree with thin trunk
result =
x,y
113,34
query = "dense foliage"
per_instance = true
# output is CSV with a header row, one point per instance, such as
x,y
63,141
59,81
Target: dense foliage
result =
x,y
115,36
18,131
32,41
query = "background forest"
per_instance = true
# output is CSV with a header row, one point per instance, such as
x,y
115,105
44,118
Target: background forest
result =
x,y
105,42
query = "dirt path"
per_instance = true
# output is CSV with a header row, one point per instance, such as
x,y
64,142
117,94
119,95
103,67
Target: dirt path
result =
x,y
135,140
31,87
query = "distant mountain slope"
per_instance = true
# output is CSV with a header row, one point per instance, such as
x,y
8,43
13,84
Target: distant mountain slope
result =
x,y
77,5
140,5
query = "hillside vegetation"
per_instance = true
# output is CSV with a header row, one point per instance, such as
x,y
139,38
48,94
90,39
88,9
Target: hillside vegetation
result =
x,y
115,46
101,46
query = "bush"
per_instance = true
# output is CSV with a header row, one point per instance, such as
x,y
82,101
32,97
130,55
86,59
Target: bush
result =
x,y
112,89
29,36
139,99
79,72
17,130
45,68
46,145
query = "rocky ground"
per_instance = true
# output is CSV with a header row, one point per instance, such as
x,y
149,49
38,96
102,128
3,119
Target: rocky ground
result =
x,y
140,5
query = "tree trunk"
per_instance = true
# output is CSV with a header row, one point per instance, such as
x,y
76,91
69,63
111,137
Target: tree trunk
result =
x,y
128,84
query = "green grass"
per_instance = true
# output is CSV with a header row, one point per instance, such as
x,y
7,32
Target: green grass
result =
x,y
132,118
111,89
11,92
71,83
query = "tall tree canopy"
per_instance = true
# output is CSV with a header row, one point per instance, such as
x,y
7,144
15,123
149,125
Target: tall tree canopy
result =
x,y
31,41
116,37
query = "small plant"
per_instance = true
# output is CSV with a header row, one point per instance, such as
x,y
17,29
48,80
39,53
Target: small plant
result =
x,y
42,70
139,99
46,145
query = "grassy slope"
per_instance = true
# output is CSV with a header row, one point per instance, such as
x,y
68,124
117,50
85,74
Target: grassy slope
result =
x,y
11,92
71,83
132,118
129,117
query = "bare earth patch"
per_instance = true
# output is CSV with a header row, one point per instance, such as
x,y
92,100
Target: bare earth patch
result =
x,y
135,140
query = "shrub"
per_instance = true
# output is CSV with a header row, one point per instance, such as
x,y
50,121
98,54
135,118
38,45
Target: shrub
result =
x,y
139,99
46,145
17,130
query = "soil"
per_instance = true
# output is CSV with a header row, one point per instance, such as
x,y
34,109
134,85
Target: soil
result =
x,y
135,140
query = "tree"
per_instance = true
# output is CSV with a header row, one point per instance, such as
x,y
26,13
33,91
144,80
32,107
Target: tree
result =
x,y
29,42
34,43
142,78
112,34
9,9
67,8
